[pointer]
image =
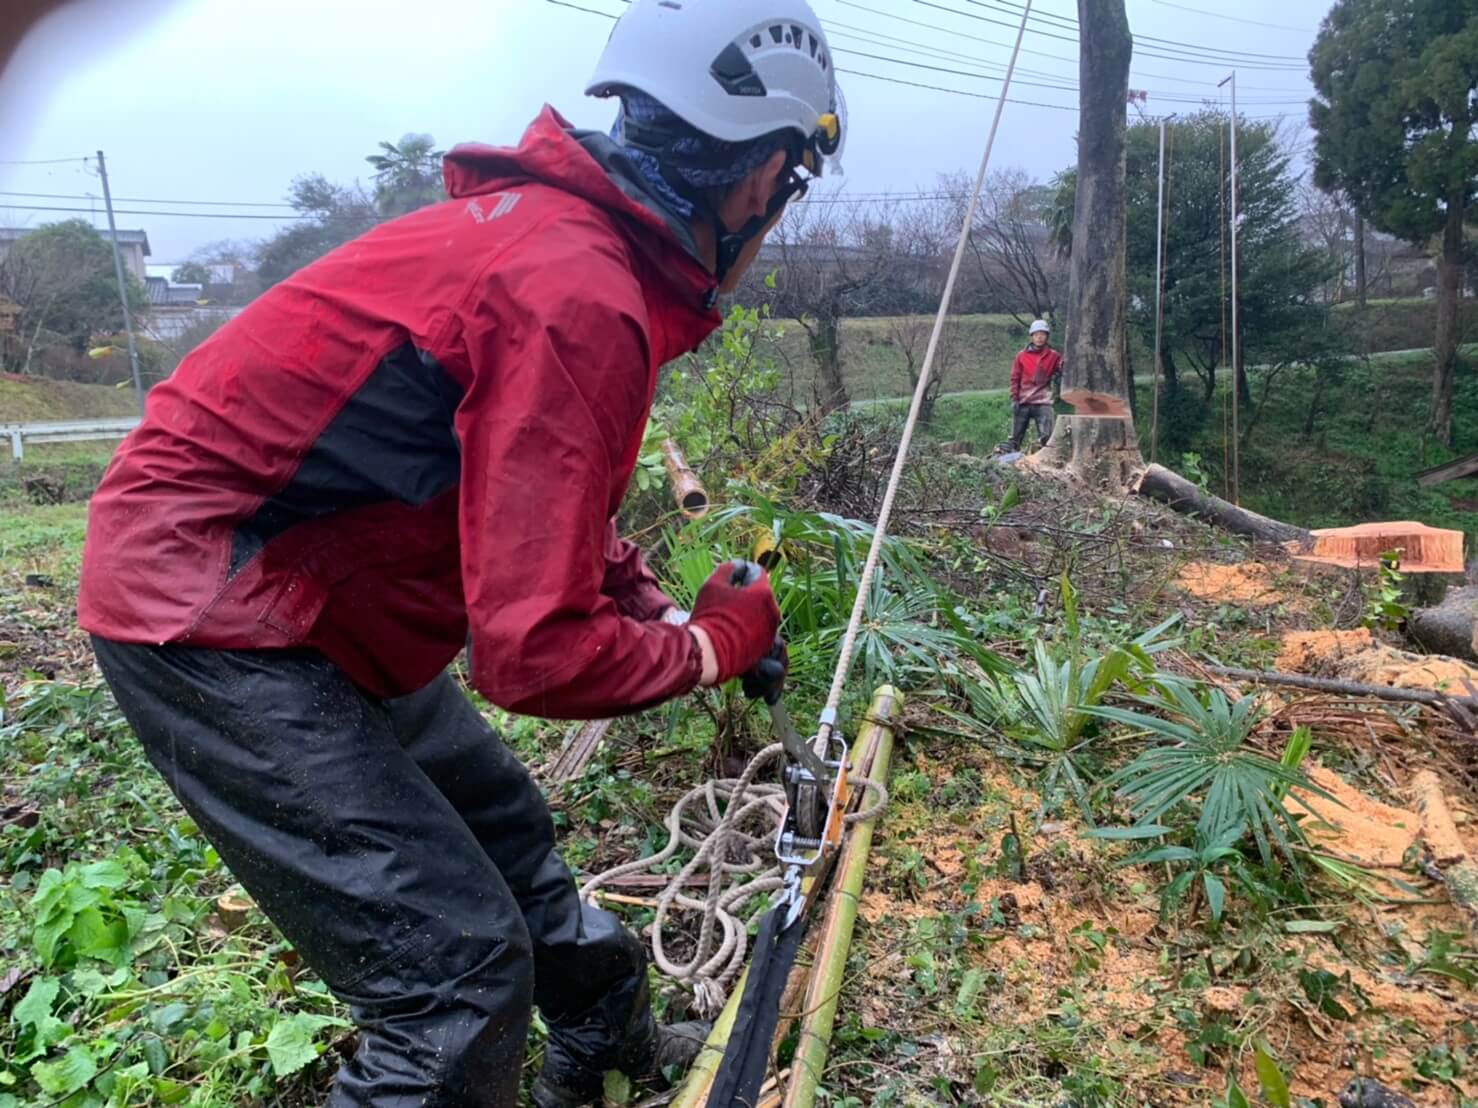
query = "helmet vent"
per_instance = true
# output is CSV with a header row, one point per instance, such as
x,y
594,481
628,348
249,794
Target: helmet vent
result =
x,y
732,70
798,36
755,41
777,33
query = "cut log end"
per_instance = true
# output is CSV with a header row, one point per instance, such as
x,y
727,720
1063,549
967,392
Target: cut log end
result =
x,y
1422,549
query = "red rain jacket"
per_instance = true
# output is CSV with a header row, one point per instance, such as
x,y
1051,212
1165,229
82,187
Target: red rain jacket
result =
x,y
420,441
1032,373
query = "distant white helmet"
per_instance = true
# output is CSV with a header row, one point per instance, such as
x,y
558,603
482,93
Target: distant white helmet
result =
x,y
733,70
1039,325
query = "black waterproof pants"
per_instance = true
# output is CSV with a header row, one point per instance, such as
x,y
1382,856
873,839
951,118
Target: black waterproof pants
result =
x,y
405,853
1023,414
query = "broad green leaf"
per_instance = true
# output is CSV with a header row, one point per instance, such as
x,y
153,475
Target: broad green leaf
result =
x,y
49,893
1236,1098
65,1076
1270,1077
290,1047
35,1007
617,1088
107,874
46,937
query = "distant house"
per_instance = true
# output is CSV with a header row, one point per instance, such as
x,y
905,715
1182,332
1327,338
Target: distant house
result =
x,y
174,309
132,245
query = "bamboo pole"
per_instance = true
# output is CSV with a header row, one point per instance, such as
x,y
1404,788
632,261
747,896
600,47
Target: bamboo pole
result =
x,y
875,736
824,993
687,490
694,1090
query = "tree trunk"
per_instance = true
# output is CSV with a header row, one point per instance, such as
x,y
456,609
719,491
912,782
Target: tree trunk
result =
x,y
1096,294
1450,628
827,353
1159,483
1360,260
1316,398
1449,288
1172,374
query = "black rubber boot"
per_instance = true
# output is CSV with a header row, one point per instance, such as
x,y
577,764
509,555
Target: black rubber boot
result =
x,y
561,1084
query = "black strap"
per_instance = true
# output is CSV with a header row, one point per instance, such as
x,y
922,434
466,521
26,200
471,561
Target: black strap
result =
x,y
747,1057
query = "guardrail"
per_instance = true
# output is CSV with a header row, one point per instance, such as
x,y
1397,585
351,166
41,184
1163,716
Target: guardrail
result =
x,y
76,430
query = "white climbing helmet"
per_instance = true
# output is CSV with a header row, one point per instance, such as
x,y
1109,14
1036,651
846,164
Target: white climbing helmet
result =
x,y
1039,325
733,70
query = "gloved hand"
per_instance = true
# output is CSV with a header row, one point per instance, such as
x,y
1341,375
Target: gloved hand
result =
x,y
737,610
766,681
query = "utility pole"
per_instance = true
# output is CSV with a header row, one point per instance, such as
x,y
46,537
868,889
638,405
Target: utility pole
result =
x,y
1159,290
133,353
1236,338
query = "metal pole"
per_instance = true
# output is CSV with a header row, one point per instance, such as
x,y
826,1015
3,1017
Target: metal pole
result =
x,y
1159,294
1236,339
133,354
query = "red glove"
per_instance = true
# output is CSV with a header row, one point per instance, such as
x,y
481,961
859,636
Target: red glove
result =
x,y
738,611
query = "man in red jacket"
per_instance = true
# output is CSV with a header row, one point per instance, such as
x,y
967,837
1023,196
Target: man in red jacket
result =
x,y
1032,375
420,442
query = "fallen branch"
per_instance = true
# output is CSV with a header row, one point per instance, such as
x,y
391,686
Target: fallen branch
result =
x,y
1459,874
1174,491
1349,688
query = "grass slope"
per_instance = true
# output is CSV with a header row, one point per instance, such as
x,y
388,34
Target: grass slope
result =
x,y
37,399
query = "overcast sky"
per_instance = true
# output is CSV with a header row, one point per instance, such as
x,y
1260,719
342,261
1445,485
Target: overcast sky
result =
x,y
228,100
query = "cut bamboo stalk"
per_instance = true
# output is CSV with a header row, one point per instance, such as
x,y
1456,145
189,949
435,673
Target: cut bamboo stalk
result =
x,y
824,994
874,737
687,490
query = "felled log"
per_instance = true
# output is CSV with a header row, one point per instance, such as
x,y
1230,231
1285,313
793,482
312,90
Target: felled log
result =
x,y
1173,490
1451,627
1422,549
1450,856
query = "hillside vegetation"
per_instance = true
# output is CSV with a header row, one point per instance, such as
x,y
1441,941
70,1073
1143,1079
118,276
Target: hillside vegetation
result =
x,y
40,399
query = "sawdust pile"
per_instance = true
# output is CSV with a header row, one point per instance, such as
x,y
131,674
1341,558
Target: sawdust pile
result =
x,y
1354,826
1237,583
1357,656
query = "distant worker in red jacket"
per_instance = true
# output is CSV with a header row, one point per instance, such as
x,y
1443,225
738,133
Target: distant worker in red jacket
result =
x,y
420,442
1032,375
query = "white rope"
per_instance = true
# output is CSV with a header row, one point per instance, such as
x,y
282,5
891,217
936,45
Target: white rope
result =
x,y
729,824
849,641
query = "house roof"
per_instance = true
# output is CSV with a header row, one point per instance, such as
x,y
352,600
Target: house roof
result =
x,y
127,237
163,293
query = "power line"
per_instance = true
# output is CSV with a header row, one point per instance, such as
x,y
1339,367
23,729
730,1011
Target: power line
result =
x,y
45,161
1163,53
136,211
1235,19
152,200
1072,21
996,42
1169,98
